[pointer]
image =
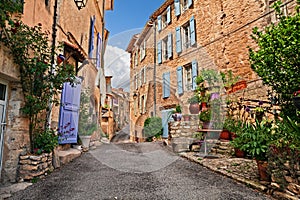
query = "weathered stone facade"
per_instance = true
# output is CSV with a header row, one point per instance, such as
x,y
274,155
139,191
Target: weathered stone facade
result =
x,y
73,30
222,32
35,166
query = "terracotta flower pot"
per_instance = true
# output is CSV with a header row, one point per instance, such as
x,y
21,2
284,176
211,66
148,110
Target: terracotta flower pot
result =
x,y
262,167
225,135
239,153
194,108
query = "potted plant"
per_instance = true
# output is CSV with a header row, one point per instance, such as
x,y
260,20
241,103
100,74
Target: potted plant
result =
x,y
204,100
205,117
254,139
194,104
177,113
229,80
86,125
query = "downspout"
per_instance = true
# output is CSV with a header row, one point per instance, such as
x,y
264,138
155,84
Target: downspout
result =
x,y
54,30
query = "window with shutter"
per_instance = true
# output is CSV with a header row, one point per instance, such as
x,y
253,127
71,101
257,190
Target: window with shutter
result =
x,y
166,84
177,7
159,52
91,42
194,73
99,46
190,3
145,103
159,27
169,15
179,81
170,45
178,40
145,74
193,32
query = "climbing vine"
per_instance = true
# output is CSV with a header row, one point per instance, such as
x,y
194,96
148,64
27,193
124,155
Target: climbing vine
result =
x,y
41,80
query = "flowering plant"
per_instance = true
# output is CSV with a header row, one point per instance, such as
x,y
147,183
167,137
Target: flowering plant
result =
x,y
297,93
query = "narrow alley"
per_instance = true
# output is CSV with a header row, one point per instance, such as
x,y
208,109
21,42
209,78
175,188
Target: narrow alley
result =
x,y
135,171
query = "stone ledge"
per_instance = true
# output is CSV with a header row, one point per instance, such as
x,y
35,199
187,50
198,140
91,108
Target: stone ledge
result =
x,y
67,156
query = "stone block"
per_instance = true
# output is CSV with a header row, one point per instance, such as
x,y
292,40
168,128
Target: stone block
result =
x,y
294,188
28,167
36,158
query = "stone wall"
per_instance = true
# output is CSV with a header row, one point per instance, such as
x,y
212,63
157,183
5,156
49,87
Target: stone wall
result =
x,y
182,133
35,166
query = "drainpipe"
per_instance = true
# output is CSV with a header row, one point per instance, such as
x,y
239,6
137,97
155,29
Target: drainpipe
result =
x,y
54,30
154,69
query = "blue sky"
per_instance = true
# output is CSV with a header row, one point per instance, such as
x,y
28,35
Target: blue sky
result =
x,y
129,16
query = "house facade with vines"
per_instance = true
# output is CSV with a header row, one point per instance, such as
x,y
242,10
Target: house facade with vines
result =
x,y
184,37
82,35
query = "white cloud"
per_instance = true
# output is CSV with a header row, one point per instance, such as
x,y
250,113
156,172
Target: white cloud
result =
x,y
117,65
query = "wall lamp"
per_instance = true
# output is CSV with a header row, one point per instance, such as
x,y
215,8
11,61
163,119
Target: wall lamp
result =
x,y
80,3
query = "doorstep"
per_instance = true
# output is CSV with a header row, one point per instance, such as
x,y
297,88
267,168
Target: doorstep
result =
x,y
66,156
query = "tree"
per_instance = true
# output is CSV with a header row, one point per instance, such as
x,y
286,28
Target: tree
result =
x,y
277,60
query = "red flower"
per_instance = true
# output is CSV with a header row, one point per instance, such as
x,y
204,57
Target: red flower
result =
x,y
297,93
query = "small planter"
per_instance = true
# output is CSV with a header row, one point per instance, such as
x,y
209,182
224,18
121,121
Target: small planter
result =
x,y
262,167
203,106
177,116
194,108
296,101
85,139
205,125
186,117
238,86
239,153
225,135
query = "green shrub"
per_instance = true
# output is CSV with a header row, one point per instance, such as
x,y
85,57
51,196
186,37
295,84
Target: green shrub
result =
x,y
153,127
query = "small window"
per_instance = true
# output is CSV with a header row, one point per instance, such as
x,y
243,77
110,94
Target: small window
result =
x,y
184,5
188,76
165,48
186,36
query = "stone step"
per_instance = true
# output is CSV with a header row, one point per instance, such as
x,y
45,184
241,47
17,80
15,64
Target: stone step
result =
x,y
66,156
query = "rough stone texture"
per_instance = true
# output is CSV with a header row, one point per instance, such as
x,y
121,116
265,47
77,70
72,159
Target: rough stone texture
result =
x,y
34,166
68,155
16,137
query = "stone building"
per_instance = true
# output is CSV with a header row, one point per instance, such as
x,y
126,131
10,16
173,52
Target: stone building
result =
x,y
83,35
120,106
183,37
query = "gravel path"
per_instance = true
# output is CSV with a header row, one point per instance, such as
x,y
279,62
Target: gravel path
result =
x,y
136,171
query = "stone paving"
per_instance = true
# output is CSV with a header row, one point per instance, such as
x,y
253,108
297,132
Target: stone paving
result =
x,y
241,169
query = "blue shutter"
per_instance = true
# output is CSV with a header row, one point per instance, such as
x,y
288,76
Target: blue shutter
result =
x,y
190,2
91,44
166,84
99,46
177,7
178,40
159,58
159,23
193,33
168,14
179,80
69,113
194,74
170,45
